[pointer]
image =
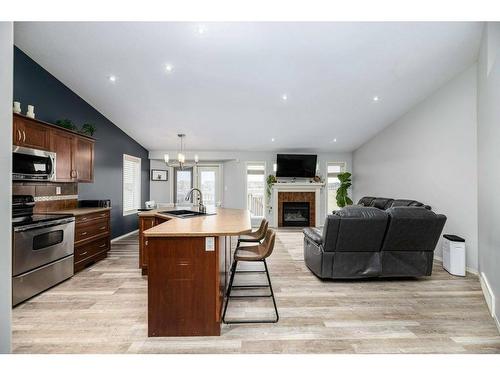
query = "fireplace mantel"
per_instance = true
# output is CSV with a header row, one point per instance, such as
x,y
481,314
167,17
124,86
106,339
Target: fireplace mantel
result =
x,y
295,187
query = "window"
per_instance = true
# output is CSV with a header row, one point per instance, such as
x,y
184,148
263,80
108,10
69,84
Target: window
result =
x,y
183,182
333,183
256,173
131,184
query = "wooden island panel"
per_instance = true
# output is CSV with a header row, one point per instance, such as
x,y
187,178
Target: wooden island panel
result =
x,y
183,287
186,280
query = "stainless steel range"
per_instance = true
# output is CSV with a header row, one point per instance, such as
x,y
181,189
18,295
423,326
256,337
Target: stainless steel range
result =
x,y
42,249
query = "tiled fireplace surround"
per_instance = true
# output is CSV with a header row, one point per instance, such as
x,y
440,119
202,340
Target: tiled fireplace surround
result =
x,y
296,196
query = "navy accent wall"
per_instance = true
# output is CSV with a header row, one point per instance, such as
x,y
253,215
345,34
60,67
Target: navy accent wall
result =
x,y
54,101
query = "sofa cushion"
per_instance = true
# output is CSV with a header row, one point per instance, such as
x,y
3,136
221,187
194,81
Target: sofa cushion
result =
x,y
314,234
366,201
405,202
382,203
361,228
330,232
412,229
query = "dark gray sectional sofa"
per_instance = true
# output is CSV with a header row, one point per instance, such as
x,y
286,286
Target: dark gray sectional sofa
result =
x,y
364,241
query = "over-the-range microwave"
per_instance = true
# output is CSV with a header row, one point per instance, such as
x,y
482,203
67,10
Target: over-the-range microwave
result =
x,y
29,164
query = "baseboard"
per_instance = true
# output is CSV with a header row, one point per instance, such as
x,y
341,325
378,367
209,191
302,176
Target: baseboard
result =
x,y
124,235
468,269
489,297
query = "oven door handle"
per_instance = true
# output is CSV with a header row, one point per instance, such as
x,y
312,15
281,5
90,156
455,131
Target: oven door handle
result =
x,y
25,228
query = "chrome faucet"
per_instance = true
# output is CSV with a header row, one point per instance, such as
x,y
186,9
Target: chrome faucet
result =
x,y
201,206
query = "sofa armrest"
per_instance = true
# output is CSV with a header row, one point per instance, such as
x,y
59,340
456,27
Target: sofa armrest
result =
x,y
313,234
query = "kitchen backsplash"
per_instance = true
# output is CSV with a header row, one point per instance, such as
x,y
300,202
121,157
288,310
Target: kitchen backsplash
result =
x,y
46,194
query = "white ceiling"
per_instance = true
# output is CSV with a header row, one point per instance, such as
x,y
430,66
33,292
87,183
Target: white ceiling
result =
x,y
226,85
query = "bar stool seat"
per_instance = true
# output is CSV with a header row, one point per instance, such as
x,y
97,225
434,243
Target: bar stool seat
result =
x,y
256,253
249,253
256,236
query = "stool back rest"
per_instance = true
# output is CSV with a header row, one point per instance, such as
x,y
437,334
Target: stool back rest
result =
x,y
268,243
261,232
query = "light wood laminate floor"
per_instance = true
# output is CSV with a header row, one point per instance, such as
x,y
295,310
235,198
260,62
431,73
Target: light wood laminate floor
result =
x,y
103,310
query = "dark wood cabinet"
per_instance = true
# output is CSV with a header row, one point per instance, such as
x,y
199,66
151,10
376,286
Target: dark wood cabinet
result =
x,y
92,238
28,133
84,159
63,144
74,152
146,222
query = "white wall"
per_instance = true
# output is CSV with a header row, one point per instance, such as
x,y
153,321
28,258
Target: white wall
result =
x,y
429,155
159,191
234,174
6,77
488,106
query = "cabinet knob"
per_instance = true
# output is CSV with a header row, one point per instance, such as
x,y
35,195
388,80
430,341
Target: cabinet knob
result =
x,y
146,243
84,233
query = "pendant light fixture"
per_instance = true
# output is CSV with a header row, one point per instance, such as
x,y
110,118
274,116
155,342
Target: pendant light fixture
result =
x,y
181,156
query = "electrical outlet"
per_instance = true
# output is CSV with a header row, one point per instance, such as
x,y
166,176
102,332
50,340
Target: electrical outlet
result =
x,y
58,190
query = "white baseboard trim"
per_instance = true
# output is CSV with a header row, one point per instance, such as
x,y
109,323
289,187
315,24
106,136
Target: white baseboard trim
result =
x,y
489,296
468,269
124,235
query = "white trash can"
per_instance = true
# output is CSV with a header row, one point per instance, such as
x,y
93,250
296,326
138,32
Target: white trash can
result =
x,y
454,254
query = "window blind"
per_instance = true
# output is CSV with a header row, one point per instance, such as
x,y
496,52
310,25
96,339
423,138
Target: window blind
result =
x,y
131,184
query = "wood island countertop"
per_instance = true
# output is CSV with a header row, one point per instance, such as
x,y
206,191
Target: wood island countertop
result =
x,y
225,222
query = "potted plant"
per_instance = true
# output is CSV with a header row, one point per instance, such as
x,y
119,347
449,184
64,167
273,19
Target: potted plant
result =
x,y
66,123
88,129
342,192
271,179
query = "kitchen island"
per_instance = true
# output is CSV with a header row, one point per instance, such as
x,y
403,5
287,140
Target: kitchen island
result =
x,y
188,261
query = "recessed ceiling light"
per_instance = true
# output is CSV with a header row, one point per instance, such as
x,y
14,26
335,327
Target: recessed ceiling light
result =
x,y
334,140
112,78
169,68
375,99
201,29
284,97
272,139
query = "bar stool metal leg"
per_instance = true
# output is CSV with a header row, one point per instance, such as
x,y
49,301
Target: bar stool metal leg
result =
x,y
229,296
228,291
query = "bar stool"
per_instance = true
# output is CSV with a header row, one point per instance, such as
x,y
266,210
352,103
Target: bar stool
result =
x,y
256,253
256,236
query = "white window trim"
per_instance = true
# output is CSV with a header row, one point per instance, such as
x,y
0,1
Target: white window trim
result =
x,y
343,168
171,185
139,161
264,163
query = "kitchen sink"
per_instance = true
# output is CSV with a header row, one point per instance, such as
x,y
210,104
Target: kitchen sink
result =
x,y
184,213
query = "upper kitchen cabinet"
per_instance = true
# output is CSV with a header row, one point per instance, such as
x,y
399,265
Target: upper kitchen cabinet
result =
x,y
84,159
74,152
64,145
29,133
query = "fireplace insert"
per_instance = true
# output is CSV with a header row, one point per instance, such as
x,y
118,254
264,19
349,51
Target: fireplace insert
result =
x,y
296,214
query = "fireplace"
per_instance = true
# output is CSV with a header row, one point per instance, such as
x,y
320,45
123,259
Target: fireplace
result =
x,y
296,214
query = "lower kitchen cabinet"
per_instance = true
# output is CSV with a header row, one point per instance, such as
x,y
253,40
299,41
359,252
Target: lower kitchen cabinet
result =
x,y
92,238
146,222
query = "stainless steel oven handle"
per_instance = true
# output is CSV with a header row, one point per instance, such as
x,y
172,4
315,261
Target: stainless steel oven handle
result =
x,y
52,223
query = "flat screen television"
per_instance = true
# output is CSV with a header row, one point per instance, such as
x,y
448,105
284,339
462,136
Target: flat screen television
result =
x,y
296,165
